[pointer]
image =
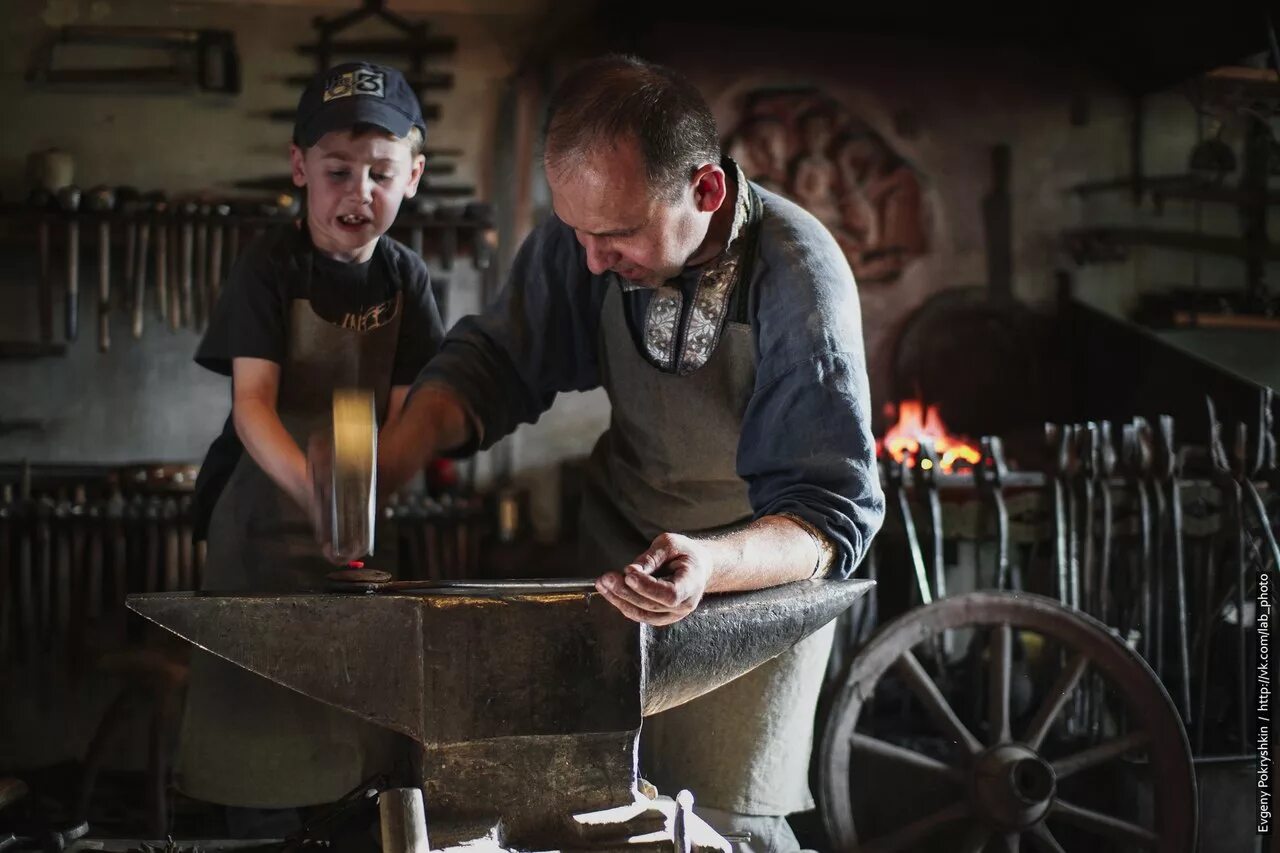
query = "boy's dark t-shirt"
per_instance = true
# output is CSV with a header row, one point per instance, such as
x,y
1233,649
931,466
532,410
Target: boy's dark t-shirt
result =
x,y
251,321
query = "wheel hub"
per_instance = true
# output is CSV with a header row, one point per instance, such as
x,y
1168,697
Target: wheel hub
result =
x,y
1013,786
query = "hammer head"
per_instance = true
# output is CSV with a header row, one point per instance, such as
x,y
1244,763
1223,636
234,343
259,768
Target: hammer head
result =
x,y
69,198
352,508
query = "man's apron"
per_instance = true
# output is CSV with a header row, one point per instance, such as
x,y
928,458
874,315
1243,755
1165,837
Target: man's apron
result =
x,y
247,741
667,464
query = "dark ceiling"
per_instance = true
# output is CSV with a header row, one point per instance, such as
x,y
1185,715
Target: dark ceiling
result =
x,y
1139,50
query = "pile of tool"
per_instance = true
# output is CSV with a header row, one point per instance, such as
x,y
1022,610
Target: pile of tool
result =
x,y
72,548
1160,541
441,538
165,259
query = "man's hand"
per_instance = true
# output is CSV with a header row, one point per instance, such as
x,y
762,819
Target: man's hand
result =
x,y
432,421
664,584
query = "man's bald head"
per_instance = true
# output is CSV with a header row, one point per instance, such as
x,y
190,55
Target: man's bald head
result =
x,y
622,97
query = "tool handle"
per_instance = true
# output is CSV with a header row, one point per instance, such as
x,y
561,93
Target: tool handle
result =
x,y
140,278
45,294
202,276
104,286
215,267
188,296
73,280
218,62
162,272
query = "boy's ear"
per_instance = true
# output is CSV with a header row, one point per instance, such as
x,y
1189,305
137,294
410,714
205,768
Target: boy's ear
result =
x,y
419,165
298,165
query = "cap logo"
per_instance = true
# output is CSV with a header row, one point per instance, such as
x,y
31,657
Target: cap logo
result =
x,y
362,81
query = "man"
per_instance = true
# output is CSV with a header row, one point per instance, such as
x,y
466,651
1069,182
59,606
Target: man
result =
x,y
723,322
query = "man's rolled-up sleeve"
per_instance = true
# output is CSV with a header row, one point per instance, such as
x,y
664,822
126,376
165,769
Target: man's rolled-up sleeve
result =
x,y
806,450
536,339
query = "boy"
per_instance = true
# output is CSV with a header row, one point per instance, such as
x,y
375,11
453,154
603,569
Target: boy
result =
x,y
329,303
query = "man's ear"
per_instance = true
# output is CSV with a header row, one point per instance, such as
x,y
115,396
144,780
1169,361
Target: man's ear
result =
x,y
419,165
709,188
298,165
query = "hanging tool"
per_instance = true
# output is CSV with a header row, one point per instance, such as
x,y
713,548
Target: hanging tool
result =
x,y
101,201
1168,469
188,249
926,480
1058,441
896,472
204,301
1135,457
1087,452
1098,603
69,201
204,58
989,475
1261,465
1156,483
1106,469
1224,477
127,204
162,259
233,243
7,574
141,209
216,240
175,272
1070,472
40,200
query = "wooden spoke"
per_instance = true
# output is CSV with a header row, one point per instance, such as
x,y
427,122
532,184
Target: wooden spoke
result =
x,y
1058,695
976,839
1101,824
1000,650
908,666
904,756
908,838
1044,840
1099,754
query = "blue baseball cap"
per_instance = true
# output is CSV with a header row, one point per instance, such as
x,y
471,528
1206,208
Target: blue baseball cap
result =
x,y
356,93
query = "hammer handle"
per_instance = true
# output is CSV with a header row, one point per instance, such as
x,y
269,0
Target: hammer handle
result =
x,y
188,297
104,285
45,294
73,279
140,278
162,272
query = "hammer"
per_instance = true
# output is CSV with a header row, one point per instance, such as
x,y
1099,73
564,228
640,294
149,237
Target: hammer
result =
x,y
162,256
101,201
202,268
127,203
40,200
136,246
69,201
188,239
220,212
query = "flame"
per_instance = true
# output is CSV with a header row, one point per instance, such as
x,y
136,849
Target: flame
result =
x,y
903,438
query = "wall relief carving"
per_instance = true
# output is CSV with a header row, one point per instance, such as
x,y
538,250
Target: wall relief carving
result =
x,y
805,146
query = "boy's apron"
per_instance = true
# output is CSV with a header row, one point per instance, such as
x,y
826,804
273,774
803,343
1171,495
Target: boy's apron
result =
x,y
247,741
667,463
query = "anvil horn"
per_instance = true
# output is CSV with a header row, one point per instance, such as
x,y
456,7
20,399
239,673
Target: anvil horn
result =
x,y
730,635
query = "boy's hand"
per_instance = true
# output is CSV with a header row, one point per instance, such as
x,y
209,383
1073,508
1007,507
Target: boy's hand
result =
x,y
320,496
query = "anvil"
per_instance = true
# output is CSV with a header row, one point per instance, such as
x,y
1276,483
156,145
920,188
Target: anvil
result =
x,y
526,702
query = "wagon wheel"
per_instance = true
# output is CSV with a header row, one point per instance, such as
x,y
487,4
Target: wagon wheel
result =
x,y
989,796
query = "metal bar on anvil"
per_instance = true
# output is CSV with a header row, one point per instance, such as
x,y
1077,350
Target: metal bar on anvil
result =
x,y
527,704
